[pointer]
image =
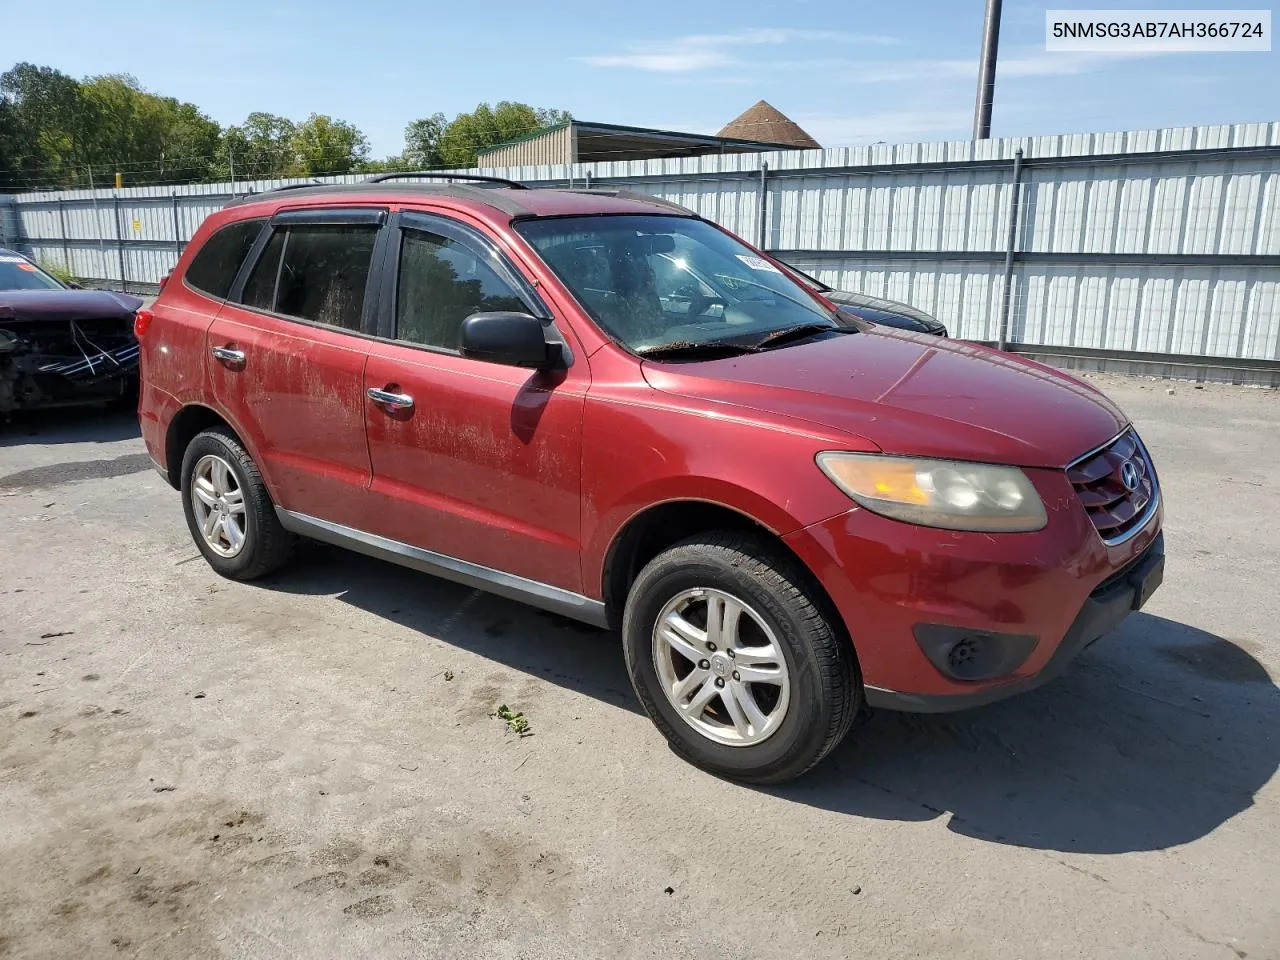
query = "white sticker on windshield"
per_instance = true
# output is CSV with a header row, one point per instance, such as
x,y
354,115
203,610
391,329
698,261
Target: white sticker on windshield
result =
x,y
758,263
12,260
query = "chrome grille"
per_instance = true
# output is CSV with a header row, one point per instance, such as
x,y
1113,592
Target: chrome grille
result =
x,y
1117,486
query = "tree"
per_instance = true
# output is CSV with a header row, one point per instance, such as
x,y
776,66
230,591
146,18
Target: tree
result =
x,y
56,128
262,146
189,142
422,142
56,131
17,161
322,145
46,122
550,117
458,142
396,163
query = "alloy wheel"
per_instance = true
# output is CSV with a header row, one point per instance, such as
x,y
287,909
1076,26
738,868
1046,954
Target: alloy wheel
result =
x,y
721,666
217,504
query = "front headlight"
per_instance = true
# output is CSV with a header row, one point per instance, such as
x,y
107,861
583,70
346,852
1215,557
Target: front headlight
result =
x,y
938,493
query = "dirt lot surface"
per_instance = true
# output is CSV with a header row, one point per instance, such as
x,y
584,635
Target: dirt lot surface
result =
x,y
307,767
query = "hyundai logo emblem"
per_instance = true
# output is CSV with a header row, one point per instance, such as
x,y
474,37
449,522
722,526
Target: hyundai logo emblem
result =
x,y
1129,475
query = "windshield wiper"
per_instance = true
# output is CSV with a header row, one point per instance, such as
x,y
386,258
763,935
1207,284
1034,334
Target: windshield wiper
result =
x,y
793,333
777,293
709,349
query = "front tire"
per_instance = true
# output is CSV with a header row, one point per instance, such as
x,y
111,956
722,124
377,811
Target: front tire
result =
x,y
738,659
229,511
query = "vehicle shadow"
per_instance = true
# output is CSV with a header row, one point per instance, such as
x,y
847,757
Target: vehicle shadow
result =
x,y
1155,736
565,652
70,425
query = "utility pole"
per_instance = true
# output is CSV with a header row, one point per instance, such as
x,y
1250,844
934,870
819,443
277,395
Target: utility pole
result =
x,y
987,72
231,165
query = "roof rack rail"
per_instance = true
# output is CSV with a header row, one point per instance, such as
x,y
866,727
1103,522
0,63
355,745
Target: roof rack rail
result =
x,y
433,175
295,186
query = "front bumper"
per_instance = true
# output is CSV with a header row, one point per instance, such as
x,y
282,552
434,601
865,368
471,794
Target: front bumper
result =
x,y
1103,611
1050,593
47,364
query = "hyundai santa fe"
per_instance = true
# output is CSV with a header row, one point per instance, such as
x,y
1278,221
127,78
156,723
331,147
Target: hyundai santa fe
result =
x,y
605,406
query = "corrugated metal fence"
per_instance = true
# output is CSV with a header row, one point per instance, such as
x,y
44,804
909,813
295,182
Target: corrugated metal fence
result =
x,y
1160,242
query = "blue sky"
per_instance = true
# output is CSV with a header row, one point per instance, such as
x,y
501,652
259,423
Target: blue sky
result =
x,y
848,71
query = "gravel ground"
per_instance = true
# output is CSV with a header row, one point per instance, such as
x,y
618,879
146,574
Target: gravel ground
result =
x,y
307,767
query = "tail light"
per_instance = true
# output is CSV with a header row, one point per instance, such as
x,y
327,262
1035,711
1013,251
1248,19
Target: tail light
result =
x,y
164,280
142,322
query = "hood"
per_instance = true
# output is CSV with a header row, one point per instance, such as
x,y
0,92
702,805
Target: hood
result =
x,y
66,305
912,393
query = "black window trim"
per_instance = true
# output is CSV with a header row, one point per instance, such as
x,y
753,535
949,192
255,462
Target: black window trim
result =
x,y
262,223
332,216
444,226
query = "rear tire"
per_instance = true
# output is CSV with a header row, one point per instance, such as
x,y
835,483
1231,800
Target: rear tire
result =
x,y
738,658
229,512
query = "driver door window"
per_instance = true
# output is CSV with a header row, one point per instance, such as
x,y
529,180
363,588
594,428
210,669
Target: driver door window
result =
x,y
441,283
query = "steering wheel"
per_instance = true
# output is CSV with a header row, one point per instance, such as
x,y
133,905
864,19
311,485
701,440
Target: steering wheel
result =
x,y
700,303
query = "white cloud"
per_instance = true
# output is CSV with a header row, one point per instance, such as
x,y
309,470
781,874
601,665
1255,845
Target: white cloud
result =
x,y
891,126
677,61
1031,63
709,50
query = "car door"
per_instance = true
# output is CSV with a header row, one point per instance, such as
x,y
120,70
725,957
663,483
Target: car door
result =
x,y
475,460
287,354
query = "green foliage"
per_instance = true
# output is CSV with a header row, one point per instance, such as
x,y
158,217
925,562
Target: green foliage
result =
x,y
517,722
422,142
54,128
322,145
57,131
459,141
259,147
57,271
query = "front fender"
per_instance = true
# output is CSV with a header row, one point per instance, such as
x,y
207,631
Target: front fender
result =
x,y
638,456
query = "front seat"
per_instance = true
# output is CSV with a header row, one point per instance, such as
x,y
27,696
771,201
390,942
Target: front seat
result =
x,y
639,311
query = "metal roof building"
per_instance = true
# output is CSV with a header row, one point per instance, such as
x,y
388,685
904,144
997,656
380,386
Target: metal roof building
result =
x,y
580,142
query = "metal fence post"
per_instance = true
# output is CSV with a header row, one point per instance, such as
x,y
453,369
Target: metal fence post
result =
x,y
124,285
62,223
764,202
97,225
177,231
1014,203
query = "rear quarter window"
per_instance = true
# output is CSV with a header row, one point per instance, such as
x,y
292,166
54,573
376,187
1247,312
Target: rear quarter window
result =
x,y
214,268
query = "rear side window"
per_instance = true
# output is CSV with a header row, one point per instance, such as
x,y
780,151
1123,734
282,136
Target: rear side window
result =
x,y
315,272
216,264
441,283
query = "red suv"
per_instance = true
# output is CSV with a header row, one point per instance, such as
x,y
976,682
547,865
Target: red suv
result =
x,y
605,406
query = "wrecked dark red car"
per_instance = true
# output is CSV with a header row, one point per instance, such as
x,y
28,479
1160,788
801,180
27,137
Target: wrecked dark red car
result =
x,y
61,345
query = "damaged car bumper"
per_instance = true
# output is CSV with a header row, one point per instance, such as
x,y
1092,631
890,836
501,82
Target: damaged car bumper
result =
x,y
55,361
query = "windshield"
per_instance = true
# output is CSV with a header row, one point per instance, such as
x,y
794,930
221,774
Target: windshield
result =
x,y
654,282
19,274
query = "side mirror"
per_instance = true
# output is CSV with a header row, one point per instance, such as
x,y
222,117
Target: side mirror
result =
x,y
72,285
516,339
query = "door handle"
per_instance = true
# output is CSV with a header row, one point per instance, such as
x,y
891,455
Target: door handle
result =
x,y
392,401
228,355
